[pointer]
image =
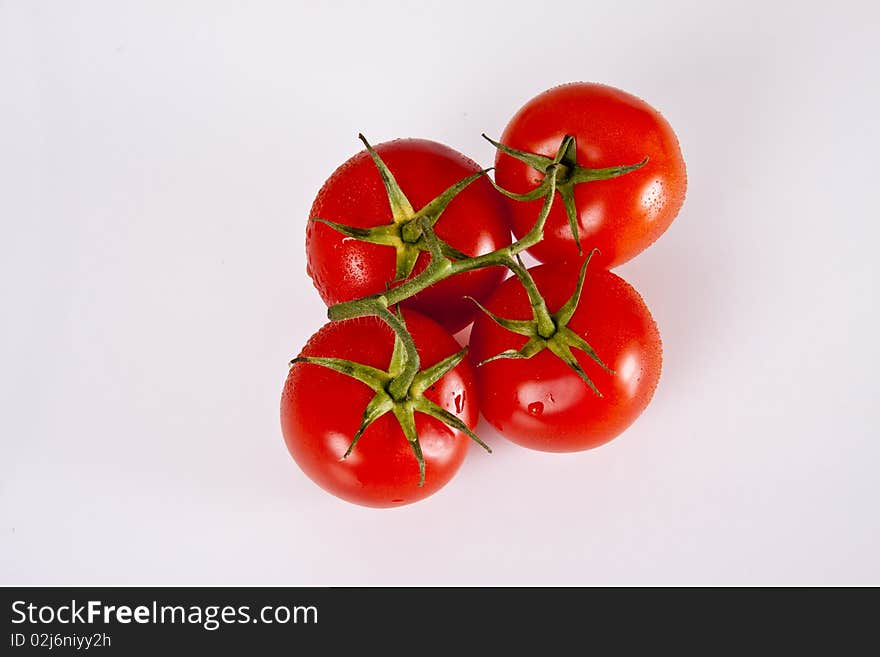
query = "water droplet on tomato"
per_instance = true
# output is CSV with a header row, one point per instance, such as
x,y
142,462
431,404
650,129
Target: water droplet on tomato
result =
x,y
652,199
459,404
536,408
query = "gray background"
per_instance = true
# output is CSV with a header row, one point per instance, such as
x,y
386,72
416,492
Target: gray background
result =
x,y
157,164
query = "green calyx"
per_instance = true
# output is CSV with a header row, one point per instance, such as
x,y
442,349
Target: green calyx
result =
x,y
405,400
405,233
568,174
553,334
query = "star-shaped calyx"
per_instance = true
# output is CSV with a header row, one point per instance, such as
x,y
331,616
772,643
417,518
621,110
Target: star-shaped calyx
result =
x,y
405,403
553,335
405,232
568,174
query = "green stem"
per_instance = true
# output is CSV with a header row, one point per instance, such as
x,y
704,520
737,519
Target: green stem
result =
x,y
441,268
399,386
546,325
536,234
368,306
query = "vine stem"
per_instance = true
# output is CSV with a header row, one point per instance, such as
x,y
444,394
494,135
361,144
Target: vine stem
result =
x,y
440,268
400,384
545,323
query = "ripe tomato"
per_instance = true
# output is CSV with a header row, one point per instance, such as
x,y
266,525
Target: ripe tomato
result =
x,y
321,410
475,222
621,216
542,403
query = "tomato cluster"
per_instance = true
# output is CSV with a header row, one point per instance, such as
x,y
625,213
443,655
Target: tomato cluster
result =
x,y
410,242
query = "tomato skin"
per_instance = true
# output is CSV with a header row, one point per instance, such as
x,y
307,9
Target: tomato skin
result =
x,y
540,402
621,216
475,222
321,410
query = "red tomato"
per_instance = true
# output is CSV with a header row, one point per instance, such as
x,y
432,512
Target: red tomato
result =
x,y
475,222
540,402
620,216
321,410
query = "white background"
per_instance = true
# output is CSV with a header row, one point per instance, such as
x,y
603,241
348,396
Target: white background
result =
x,y
157,164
